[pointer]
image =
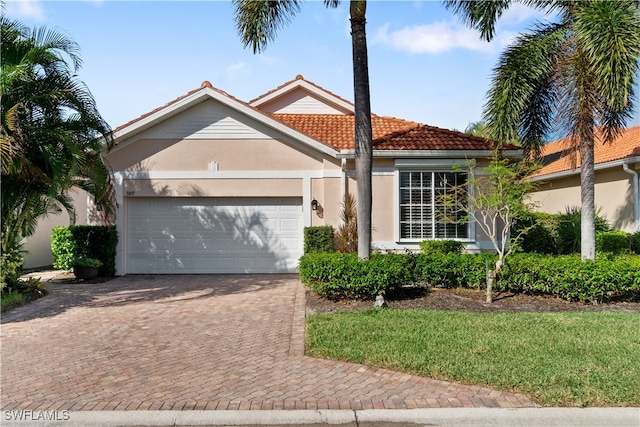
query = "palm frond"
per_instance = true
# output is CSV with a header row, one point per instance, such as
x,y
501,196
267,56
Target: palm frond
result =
x,y
520,101
258,21
609,35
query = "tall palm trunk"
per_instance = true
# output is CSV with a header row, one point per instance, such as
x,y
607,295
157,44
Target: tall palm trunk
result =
x,y
587,194
363,132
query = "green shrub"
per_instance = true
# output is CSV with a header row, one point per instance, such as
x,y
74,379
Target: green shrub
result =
x,y
87,263
431,247
454,270
568,277
615,242
569,229
318,239
538,232
10,268
88,241
635,242
339,275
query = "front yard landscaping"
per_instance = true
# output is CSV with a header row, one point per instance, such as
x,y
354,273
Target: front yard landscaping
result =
x,y
561,331
557,359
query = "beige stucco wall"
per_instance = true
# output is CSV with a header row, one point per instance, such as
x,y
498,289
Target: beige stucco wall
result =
x,y
613,196
212,188
196,154
38,245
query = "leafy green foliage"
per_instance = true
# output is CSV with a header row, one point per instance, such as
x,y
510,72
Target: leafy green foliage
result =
x,y
572,279
51,135
88,241
539,232
431,247
346,238
635,242
340,275
615,242
10,268
569,229
87,262
318,239
454,270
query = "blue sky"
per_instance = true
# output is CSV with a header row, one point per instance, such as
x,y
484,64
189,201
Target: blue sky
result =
x,y
424,64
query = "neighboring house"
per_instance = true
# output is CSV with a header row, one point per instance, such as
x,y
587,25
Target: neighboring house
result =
x,y
37,247
617,166
211,184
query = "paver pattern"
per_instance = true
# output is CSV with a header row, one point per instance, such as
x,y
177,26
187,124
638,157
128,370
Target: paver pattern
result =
x,y
195,342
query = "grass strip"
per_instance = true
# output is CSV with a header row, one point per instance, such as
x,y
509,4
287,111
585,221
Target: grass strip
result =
x,y
557,359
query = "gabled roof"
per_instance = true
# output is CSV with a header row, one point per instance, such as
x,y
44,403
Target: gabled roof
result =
x,y
558,158
299,82
327,133
206,92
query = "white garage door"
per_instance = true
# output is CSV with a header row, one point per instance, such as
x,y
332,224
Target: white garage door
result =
x,y
206,235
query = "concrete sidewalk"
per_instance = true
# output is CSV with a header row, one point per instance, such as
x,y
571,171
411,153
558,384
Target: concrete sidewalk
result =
x,y
476,417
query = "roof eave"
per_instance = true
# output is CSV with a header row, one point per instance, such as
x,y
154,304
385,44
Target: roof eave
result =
x,y
207,93
576,171
451,154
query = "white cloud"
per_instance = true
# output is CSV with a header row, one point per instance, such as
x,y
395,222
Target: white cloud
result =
x,y
21,9
431,38
238,68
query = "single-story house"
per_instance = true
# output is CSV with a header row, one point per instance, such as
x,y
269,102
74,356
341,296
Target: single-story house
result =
x,y
208,183
617,166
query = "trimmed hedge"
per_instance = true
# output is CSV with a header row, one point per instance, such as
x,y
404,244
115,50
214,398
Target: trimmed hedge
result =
x,y
615,242
88,241
570,278
339,275
441,247
318,239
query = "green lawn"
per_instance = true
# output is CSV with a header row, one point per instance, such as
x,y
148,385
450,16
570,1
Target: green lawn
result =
x,y
557,359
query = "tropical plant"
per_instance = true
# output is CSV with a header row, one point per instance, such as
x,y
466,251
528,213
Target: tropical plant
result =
x,y
493,200
578,71
51,135
258,23
346,238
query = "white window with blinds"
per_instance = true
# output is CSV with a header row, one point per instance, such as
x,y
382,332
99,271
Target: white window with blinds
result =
x,y
422,214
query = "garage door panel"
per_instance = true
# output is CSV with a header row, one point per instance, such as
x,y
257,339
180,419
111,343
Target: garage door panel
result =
x,y
209,235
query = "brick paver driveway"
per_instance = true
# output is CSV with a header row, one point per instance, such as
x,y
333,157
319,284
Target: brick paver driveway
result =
x,y
194,342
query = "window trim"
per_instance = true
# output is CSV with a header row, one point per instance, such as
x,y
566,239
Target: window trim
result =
x,y
428,166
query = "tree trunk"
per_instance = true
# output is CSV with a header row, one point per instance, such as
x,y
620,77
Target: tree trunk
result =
x,y
491,278
363,132
587,193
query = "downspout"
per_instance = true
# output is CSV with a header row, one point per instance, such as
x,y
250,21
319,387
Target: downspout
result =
x,y
636,201
343,179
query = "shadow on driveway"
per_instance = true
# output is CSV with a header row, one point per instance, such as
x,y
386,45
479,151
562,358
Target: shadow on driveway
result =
x,y
136,289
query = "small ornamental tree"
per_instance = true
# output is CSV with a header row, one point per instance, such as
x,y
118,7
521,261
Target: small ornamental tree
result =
x,y
493,199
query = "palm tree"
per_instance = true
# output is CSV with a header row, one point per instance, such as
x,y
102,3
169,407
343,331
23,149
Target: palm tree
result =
x,y
258,22
51,134
577,73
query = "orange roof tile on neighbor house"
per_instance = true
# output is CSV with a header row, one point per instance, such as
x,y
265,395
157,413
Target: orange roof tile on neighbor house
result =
x,y
557,156
337,131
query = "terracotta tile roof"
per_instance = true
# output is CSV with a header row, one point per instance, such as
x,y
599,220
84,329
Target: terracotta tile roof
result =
x,y
337,131
557,156
424,137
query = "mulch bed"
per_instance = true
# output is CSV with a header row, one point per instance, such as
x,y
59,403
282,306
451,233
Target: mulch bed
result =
x,y
470,300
